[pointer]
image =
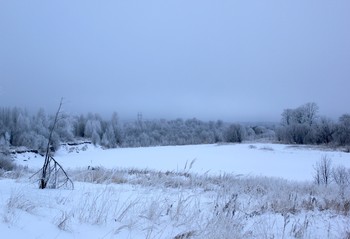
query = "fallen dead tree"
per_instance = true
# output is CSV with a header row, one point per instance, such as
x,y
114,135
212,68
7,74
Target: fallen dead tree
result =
x,y
52,173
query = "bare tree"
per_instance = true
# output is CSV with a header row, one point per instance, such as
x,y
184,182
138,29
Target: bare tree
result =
x,y
323,171
51,170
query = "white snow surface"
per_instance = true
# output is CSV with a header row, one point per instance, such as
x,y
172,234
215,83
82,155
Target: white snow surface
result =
x,y
151,211
255,159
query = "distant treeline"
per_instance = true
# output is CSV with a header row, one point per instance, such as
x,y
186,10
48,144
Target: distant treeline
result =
x,y
302,125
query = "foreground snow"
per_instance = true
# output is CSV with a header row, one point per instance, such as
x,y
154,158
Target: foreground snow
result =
x,y
159,193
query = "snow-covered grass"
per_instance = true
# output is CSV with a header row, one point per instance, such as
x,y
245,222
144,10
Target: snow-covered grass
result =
x,y
204,191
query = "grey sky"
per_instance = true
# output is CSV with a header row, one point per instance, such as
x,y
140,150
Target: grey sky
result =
x,y
233,60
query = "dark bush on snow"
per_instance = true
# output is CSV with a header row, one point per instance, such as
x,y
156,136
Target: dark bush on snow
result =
x,y
6,163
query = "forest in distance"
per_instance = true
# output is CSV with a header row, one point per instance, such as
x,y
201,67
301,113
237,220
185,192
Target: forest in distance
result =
x,y
301,125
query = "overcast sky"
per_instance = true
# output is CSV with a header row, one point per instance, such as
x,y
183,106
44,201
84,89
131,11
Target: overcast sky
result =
x,y
233,60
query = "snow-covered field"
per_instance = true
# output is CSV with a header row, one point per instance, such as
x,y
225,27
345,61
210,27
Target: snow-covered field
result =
x,y
250,190
274,160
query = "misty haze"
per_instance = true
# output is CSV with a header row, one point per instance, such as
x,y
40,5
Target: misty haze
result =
x,y
174,119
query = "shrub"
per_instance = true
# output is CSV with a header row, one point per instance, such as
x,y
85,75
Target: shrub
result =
x,y
341,175
6,163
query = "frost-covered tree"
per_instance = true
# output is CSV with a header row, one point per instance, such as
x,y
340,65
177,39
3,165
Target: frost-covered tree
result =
x,y
95,138
109,138
40,123
40,131
20,126
325,130
65,128
79,126
306,114
287,117
5,161
342,132
93,128
299,125
235,133
117,130
309,113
